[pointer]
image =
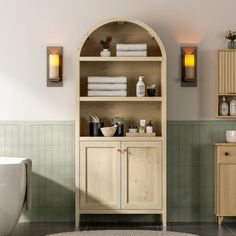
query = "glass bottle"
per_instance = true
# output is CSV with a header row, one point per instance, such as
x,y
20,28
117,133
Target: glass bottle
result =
x,y
224,107
140,87
149,127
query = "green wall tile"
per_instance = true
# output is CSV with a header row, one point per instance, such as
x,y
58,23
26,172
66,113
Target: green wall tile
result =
x,y
50,145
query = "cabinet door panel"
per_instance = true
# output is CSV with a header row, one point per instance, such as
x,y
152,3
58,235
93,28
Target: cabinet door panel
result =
x,y
100,175
227,60
227,189
141,175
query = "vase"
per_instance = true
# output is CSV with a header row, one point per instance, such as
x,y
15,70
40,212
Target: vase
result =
x,y
231,44
105,53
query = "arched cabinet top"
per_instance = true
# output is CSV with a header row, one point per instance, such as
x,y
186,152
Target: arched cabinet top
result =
x,y
122,30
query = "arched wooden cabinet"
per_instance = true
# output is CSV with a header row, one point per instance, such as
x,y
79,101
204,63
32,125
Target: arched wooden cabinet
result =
x,y
121,175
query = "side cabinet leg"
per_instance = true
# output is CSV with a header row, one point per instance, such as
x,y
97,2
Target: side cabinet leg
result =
x,y
220,219
77,221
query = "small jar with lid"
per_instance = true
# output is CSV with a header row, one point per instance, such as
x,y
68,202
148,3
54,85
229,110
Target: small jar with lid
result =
x,y
133,129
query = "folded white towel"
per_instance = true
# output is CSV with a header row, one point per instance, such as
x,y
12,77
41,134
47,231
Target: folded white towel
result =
x,y
107,79
131,47
131,53
107,86
103,93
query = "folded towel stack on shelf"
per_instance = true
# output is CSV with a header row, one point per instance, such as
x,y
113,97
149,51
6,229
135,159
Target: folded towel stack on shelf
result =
x,y
110,86
131,50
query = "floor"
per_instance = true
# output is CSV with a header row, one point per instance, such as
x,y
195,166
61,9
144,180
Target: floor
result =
x,y
202,229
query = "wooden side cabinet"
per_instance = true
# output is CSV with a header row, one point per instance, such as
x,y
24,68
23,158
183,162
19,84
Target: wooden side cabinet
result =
x,y
225,180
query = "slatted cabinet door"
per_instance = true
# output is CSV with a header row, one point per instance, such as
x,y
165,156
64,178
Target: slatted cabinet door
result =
x,y
141,175
100,175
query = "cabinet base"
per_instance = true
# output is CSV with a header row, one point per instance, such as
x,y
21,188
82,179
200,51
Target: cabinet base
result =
x,y
163,217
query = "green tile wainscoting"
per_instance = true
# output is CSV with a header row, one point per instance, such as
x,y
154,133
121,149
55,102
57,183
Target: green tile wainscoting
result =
x,y
50,145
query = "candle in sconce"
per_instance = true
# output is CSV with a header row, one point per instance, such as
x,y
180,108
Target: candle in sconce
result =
x,y
189,63
54,61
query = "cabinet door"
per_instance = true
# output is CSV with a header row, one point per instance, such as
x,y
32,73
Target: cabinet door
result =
x,y
227,180
227,70
99,175
141,175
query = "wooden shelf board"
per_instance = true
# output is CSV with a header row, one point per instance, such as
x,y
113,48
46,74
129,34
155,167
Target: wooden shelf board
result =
x,y
227,94
120,58
227,117
124,138
121,99
227,144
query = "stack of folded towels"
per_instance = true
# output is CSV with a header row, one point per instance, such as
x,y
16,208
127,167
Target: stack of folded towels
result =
x,y
131,50
111,86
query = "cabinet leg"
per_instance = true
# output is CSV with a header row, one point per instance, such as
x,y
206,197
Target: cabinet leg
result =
x,y
77,222
220,219
164,221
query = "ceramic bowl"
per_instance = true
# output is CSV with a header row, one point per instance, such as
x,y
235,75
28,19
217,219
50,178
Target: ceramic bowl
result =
x,y
231,136
108,131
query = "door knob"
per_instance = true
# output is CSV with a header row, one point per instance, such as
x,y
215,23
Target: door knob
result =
x,y
226,154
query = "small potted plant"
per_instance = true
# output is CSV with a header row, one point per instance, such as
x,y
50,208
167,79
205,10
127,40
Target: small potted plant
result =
x,y
231,36
105,46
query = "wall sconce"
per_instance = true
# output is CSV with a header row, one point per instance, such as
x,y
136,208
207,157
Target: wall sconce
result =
x,y
54,66
189,66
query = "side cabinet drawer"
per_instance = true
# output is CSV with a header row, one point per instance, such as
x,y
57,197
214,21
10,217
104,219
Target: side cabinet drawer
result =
x,y
226,154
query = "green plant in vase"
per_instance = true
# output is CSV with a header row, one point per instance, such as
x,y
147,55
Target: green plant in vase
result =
x,y
231,36
106,45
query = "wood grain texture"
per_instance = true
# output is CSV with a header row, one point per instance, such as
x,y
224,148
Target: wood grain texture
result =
x,y
100,175
141,175
153,67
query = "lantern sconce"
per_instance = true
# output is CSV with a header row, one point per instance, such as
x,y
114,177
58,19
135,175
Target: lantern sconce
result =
x,y
188,66
54,67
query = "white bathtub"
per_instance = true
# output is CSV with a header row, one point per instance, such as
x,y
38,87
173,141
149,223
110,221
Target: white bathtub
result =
x,y
12,192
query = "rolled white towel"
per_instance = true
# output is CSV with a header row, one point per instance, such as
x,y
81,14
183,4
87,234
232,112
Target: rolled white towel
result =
x,y
131,47
131,53
107,79
107,86
104,93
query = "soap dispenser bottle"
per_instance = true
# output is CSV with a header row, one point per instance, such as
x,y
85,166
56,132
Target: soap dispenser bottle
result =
x,y
140,87
224,107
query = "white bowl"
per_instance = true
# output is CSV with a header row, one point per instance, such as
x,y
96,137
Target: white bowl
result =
x,y
231,136
108,131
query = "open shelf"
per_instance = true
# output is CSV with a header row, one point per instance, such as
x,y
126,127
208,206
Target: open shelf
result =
x,y
131,69
130,111
127,32
97,59
121,99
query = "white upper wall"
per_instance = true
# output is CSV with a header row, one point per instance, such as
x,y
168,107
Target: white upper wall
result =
x,y
28,26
